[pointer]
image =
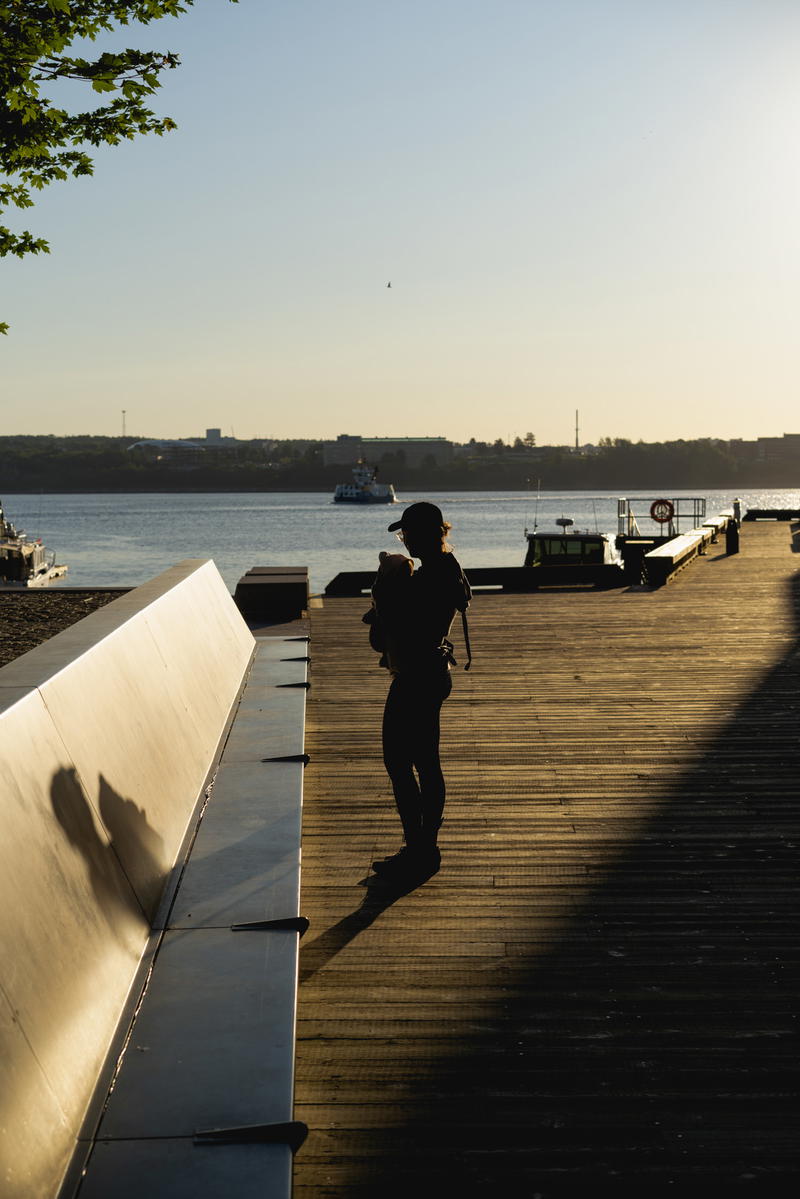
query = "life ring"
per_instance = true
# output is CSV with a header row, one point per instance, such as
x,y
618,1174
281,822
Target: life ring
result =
x,y
661,511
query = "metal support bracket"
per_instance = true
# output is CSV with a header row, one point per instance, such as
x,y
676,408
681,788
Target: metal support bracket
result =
x,y
304,758
289,1132
296,924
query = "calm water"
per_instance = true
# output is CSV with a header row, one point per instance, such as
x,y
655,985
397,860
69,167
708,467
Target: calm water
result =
x,y
126,539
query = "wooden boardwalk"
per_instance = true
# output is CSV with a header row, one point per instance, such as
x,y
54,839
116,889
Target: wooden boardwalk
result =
x,y
600,987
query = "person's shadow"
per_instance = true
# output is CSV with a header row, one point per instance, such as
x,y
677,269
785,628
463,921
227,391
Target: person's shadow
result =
x,y
379,895
125,872
137,845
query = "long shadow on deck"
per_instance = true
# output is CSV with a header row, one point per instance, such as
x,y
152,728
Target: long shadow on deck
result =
x,y
378,896
653,1051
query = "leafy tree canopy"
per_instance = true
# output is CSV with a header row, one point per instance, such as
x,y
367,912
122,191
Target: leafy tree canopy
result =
x,y
41,142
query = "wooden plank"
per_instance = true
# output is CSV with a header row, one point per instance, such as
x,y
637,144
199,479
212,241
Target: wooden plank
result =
x,y
603,974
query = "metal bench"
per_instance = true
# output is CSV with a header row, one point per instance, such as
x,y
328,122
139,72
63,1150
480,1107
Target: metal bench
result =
x,y
665,560
717,524
203,1102
272,593
110,732
141,951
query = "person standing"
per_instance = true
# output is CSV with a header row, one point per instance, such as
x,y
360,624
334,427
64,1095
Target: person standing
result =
x,y
412,625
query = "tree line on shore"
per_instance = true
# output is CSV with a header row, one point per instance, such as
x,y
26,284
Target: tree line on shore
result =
x,y
106,464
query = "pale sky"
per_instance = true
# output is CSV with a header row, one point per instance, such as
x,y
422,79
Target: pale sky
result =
x,y
580,204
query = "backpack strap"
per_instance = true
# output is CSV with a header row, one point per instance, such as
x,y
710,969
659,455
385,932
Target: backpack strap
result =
x,y
466,638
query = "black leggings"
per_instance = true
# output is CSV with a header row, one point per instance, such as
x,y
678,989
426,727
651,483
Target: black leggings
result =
x,y
411,742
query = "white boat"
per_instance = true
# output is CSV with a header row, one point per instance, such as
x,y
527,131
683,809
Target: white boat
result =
x,y
568,556
25,562
365,488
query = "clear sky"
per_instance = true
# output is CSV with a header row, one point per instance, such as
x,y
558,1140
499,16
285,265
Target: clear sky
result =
x,y
580,204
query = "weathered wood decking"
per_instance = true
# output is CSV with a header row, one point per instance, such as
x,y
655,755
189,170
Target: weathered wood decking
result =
x,y
600,987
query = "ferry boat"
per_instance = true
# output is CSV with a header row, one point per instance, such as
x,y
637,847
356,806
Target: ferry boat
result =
x,y
25,562
365,488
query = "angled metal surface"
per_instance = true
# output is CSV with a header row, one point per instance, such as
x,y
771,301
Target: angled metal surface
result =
x,y
39,664
158,708
205,653
137,755
10,695
276,648
271,668
71,934
286,1132
107,732
35,1137
245,864
211,1054
213,1043
268,726
178,1169
161,689
294,924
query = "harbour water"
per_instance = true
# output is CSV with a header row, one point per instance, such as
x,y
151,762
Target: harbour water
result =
x,y
123,540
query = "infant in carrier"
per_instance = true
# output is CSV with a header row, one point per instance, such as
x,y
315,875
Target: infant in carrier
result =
x,y
389,598
389,588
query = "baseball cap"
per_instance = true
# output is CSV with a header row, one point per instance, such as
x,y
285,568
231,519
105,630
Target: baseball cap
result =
x,y
419,516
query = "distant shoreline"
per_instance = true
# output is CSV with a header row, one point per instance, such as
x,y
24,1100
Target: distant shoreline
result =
x,y
104,466
614,488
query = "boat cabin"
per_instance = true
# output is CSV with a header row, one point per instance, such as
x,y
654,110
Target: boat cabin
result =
x,y
565,549
24,562
564,557
569,548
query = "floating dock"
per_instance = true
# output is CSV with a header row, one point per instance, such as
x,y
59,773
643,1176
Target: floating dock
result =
x,y
601,986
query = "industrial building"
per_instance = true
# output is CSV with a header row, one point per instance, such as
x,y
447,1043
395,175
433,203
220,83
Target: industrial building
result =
x,y
411,451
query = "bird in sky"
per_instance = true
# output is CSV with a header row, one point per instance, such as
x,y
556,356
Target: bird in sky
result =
x,y
389,284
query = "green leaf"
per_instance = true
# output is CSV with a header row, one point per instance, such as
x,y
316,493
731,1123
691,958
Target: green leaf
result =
x,y
41,142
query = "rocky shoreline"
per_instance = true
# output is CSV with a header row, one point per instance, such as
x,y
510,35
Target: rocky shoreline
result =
x,y
27,618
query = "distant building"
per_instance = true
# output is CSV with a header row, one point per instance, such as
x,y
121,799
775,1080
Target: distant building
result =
x,y
779,450
411,451
168,451
214,440
344,451
415,451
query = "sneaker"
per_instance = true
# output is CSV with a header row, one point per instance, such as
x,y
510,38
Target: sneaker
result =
x,y
409,861
397,862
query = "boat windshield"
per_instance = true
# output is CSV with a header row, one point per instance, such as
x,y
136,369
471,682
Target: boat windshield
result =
x,y
551,550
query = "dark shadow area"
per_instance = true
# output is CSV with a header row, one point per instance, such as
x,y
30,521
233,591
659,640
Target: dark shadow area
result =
x,y
74,813
795,531
136,844
653,1050
379,896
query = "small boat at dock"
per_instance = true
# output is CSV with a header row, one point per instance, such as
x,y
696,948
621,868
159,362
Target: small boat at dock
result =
x,y
24,561
564,556
567,557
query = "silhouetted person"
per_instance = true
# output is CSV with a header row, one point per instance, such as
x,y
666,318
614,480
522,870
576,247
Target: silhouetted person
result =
x,y
411,617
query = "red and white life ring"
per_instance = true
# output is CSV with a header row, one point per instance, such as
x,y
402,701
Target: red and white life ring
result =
x,y
661,511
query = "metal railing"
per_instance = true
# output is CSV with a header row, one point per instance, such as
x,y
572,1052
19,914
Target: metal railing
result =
x,y
660,516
